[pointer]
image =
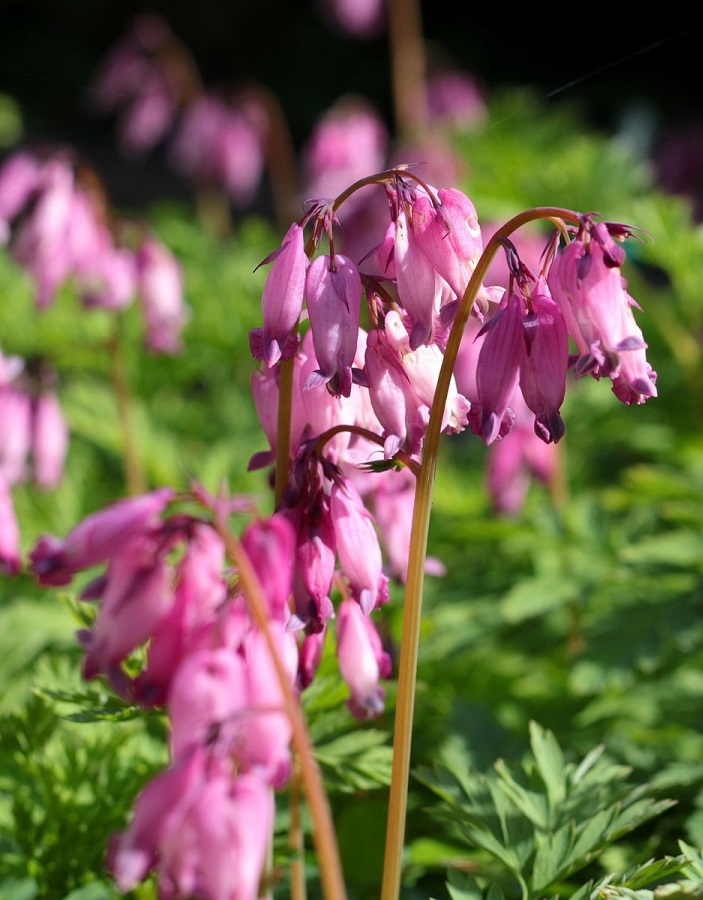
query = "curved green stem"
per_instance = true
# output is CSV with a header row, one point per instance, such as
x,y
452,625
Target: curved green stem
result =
x,y
412,611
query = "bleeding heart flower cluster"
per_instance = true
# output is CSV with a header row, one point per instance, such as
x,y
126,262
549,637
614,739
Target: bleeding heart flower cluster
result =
x,y
366,341
353,376
56,222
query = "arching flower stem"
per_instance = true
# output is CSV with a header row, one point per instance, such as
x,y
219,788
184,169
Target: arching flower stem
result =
x,y
323,826
412,610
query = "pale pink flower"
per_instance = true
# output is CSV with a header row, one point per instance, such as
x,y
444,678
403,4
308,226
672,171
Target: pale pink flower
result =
x,y
362,660
49,440
160,288
282,300
10,552
218,145
358,548
16,433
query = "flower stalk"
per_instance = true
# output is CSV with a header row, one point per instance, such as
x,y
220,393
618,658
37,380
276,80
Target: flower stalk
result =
x,y
412,609
323,830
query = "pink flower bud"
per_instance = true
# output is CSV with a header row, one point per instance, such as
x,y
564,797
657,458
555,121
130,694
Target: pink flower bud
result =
x,y
544,364
98,537
49,440
160,287
10,555
282,301
358,549
138,594
333,293
16,434
362,660
270,545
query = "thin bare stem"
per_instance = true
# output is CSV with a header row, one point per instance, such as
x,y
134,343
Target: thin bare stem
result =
x,y
412,610
134,476
323,826
407,53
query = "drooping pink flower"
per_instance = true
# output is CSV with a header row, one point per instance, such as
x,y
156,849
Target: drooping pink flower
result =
x,y
264,743
20,175
498,370
200,593
270,546
401,413
348,142
49,440
586,281
517,459
202,829
455,99
16,433
218,145
422,366
54,561
160,289
360,19
10,551
138,593
362,660
145,78
544,363
333,295
358,548
207,700
282,301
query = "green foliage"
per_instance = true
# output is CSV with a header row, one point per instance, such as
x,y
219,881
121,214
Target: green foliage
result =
x,y
531,830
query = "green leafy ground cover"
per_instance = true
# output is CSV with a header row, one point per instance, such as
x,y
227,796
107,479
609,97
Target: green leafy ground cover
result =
x,y
558,744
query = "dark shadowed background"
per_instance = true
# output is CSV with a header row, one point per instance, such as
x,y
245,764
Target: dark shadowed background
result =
x,y
605,59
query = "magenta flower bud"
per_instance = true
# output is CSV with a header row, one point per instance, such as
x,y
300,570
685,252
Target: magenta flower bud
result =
x,y
98,537
362,660
10,553
49,440
544,365
160,288
270,545
358,549
282,301
498,370
333,293
309,657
